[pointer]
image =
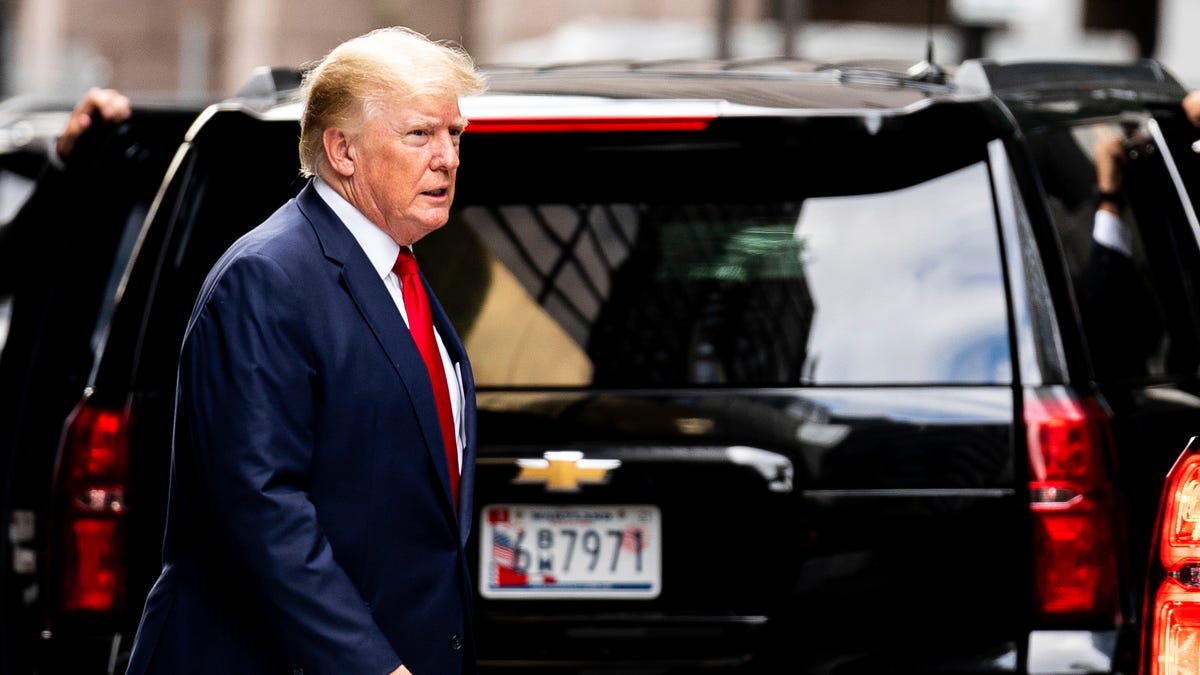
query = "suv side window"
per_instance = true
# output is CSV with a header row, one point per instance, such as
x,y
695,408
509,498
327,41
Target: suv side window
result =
x,y
1128,274
862,283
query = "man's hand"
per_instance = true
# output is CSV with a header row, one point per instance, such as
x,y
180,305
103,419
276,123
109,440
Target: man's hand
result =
x,y
109,104
1110,164
401,671
1191,107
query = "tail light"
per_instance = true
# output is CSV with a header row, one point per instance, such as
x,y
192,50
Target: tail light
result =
x,y
1076,573
1174,618
92,474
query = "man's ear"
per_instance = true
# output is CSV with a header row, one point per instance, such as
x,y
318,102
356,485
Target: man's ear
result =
x,y
339,151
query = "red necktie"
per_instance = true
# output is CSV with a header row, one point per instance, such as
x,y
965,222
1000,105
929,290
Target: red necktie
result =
x,y
420,323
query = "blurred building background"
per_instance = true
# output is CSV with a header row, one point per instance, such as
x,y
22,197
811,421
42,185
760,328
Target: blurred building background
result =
x,y
207,48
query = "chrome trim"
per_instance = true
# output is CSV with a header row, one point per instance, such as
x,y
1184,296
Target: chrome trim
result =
x,y
1184,198
658,619
1071,651
591,665
776,469
922,493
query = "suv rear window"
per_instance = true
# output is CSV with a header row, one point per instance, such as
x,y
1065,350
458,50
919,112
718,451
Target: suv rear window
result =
x,y
788,266
758,252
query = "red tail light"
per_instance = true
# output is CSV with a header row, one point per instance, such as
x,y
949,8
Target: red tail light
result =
x,y
1175,615
1071,498
93,471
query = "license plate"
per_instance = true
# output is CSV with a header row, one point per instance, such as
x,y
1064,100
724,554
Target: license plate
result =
x,y
598,552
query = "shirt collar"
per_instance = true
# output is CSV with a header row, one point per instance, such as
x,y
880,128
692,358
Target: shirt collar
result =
x,y
380,248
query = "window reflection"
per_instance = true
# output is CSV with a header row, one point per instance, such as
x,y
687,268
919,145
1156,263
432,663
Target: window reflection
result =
x,y
909,284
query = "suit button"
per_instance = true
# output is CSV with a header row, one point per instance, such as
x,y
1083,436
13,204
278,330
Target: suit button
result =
x,y
455,642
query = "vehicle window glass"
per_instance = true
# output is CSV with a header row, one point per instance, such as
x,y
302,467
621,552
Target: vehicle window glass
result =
x,y
1127,272
1037,335
15,189
886,285
1183,149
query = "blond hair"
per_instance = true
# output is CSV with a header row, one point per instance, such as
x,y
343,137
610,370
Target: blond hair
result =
x,y
359,76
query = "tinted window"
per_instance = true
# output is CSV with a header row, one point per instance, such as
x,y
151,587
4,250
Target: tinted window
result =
x,y
888,274
759,252
1133,293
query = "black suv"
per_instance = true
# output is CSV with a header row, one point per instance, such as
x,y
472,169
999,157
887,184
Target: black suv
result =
x,y
781,369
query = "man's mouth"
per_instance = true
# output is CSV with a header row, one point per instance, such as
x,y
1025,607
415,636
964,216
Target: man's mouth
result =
x,y
440,192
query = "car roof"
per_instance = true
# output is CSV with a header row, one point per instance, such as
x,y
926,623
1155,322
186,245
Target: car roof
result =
x,y
675,87
777,84
1144,79
709,88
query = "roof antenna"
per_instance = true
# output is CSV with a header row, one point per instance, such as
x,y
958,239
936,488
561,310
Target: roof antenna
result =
x,y
928,70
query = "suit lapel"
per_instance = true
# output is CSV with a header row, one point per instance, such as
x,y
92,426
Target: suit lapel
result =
x,y
373,301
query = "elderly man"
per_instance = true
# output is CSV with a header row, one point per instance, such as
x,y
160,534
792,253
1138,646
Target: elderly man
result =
x,y
324,435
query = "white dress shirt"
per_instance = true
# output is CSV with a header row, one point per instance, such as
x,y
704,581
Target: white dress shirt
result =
x,y
382,250
1111,232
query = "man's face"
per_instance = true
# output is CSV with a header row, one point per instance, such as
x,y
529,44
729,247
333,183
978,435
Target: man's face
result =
x,y
405,162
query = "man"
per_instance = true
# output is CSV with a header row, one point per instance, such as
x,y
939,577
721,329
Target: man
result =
x,y
319,508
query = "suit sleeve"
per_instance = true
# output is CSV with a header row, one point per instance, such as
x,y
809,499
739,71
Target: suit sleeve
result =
x,y
247,399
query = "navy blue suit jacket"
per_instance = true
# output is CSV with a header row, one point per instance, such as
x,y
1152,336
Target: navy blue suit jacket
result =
x,y
310,526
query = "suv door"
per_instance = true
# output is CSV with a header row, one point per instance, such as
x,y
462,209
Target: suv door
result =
x,y
1135,288
207,198
82,227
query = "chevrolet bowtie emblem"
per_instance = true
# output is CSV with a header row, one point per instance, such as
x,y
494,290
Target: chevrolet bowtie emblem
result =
x,y
565,470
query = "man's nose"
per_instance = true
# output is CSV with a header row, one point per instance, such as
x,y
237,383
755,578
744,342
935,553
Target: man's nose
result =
x,y
445,152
